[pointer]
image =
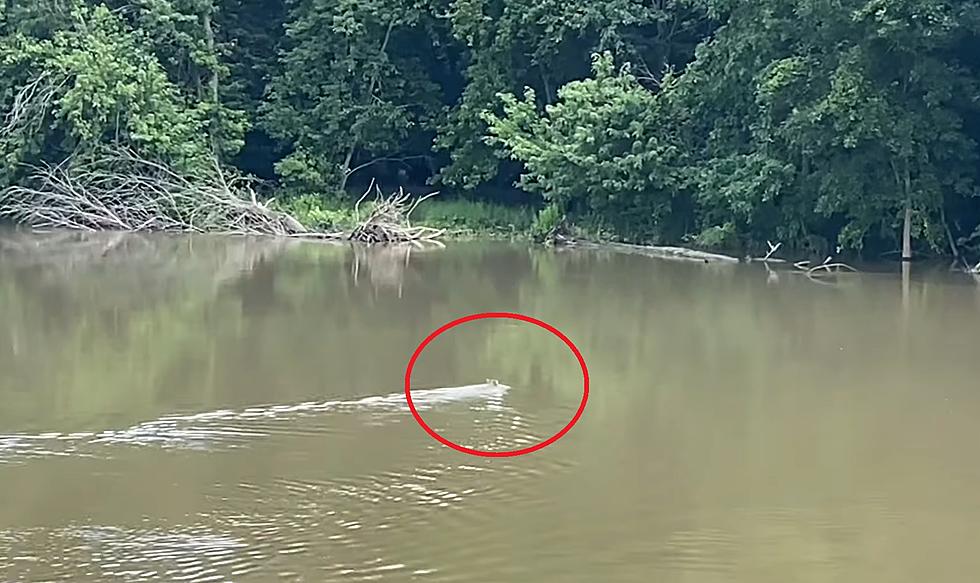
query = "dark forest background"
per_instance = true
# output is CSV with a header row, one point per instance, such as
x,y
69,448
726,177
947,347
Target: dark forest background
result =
x,y
816,123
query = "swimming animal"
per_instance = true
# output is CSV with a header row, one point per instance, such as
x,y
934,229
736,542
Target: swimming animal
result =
x,y
492,388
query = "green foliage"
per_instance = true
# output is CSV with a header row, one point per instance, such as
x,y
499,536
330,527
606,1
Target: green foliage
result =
x,y
480,217
317,212
352,86
724,123
311,211
543,45
795,118
805,117
547,220
716,237
182,35
93,82
621,167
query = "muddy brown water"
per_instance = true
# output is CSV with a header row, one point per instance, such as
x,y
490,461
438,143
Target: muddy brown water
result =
x,y
200,409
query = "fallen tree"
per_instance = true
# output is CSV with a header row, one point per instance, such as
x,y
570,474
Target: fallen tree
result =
x,y
119,190
680,253
815,273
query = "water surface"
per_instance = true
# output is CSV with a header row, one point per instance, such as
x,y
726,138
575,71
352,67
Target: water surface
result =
x,y
210,409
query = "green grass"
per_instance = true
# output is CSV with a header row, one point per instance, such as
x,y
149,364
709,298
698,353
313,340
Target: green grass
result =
x,y
475,217
315,213
457,217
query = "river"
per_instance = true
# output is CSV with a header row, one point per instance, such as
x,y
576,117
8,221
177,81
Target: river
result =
x,y
211,409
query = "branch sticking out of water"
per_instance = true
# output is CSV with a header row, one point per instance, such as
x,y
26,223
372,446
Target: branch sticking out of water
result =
x,y
814,272
769,255
772,249
831,268
389,220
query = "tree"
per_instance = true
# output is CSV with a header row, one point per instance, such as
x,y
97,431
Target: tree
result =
x,y
89,81
512,44
727,122
250,33
601,150
353,88
183,35
842,118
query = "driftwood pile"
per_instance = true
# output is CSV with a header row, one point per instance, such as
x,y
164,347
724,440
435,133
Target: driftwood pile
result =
x,y
121,191
389,220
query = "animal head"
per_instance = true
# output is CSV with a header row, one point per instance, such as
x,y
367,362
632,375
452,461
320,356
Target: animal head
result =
x,y
493,382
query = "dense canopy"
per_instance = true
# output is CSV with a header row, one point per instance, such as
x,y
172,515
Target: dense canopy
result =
x,y
818,123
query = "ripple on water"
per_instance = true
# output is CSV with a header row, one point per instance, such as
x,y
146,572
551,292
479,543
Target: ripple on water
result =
x,y
228,429
22,447
115,553
361,527
364,527
700,549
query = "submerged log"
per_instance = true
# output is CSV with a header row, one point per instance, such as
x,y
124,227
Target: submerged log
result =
x,y
831,268
824,268
679,253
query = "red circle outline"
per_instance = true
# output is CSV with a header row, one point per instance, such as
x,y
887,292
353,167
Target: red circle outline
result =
x,y
484,316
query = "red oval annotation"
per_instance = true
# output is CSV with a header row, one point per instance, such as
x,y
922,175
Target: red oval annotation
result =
x,y
508,316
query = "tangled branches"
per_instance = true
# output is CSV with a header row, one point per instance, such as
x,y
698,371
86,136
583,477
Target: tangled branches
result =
x,y
122,191
826,268
30,107
389,219
558,235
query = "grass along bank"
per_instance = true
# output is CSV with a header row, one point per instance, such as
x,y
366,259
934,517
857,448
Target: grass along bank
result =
x,y
459,218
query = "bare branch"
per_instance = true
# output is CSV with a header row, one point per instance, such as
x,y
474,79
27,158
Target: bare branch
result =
x,y
122,191
388,221
831,268
772,249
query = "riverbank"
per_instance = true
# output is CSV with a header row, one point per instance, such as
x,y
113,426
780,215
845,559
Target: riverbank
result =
x,y
147,196
458,219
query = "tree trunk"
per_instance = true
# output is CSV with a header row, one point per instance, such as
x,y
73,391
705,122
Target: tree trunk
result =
x,y
950,238
907,234
548,96
345,170
907,227
212,83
